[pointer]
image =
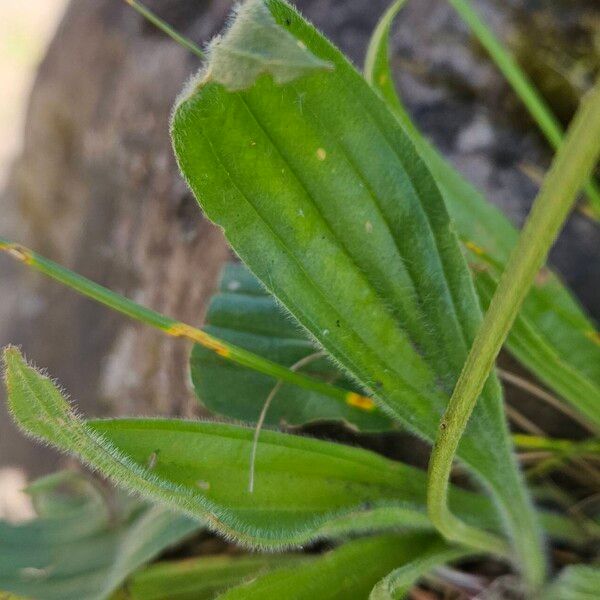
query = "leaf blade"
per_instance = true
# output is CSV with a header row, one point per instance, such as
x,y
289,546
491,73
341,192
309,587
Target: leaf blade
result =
x,y
76,550
346,573
244,314
551,322
334,490
340,238
202,578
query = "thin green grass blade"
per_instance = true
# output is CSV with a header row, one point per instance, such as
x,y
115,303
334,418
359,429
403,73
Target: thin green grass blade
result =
x,y
377,69
165,27
175,328
524,88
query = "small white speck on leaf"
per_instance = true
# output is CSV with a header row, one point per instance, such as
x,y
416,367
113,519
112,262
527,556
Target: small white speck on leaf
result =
x,y
152,460
203,485
369,227
233,285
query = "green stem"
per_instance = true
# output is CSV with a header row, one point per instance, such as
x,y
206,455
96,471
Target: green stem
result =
x,y
524,88
165,27
176,328
571,166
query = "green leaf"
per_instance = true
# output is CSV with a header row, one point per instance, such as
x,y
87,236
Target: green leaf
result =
x,y
77,549
576,582
253,45
418,562
205,577
321,193
244,314
377,68
552,335
346,573
305,489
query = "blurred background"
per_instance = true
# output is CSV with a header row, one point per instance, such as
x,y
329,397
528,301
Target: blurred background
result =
x,y
25,31
87,175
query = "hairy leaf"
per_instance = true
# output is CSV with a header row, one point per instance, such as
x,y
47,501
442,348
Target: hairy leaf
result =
x,y
552,335
205,577
432,553
305,489
254,45
77,549
245,314
346,573
576,582
321,193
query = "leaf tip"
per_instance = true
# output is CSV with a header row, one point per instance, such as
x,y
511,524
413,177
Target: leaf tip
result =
x,y
252,45
12,359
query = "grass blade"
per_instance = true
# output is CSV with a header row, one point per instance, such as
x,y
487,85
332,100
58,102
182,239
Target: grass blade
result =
x,y
175,328
524,88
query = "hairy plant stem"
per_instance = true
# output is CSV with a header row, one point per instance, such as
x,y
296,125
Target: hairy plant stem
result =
x,y
572,165
525,90
175,328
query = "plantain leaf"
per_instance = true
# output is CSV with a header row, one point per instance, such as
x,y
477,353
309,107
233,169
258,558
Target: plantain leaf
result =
x,y
346,573
244,314
254,45
305,489
552,335
576,582
78,549
205,577
321,193
418,562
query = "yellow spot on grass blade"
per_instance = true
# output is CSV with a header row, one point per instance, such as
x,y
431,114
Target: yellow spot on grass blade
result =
x,y
473,247
361,402
594,336
17,251
198,336
321,154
